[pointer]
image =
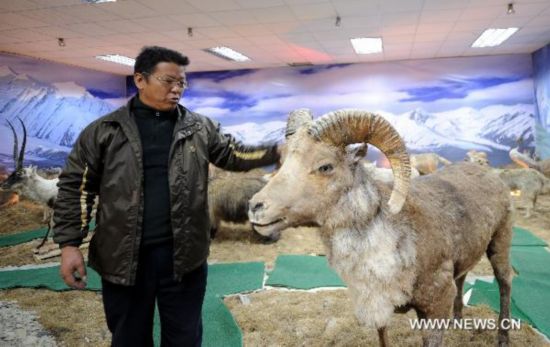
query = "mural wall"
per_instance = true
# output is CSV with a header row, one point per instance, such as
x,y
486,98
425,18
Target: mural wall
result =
x,y
448,106
55,102
541,65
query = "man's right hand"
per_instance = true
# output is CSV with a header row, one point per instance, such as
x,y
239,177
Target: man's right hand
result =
x,y
72,262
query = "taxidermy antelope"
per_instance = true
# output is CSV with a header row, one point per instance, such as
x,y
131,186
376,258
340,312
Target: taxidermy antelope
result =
x,y
26,182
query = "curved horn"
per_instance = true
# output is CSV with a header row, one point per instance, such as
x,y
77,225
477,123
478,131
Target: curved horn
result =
x,y
297,119
15,145
23,144
344,127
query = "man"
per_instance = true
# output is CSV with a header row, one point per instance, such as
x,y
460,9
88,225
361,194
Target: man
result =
x,y
148,163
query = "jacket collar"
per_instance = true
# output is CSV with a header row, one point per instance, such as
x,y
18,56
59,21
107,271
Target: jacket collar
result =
x,y
187,122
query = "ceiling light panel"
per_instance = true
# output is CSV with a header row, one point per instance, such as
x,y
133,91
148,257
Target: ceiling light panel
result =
x,y
367,45
493,37
116,58
227,53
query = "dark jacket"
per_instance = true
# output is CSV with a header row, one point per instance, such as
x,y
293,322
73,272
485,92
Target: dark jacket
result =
x,y
106,160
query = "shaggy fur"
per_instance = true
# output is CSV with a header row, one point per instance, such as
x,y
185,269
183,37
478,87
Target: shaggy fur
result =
x,y
476,157
33,186
530,182
523,160
417,258
427,163
28,183
228,196
385,175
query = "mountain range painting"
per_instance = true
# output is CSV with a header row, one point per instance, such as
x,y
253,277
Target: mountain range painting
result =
x,y
55,102
541,62
448,106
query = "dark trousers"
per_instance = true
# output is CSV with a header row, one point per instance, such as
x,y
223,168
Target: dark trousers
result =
x,y
130,309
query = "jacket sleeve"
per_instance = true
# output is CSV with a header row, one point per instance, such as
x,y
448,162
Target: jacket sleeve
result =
x,y
78,186
229,154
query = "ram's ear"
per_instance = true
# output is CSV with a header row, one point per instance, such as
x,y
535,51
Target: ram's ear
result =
x,y
356,152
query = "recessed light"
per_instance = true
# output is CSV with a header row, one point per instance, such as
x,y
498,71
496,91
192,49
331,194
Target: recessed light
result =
x,y
367,45
116,58
227,53
493,37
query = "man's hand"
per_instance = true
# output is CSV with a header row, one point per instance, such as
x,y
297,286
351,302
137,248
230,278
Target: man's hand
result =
x,y
73,270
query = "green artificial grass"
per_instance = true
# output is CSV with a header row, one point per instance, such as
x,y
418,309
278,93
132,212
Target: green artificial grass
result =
x,y
45,277
220,328
523,237
22,237
303,272
530,288
487,293
26,236
531,261
232,278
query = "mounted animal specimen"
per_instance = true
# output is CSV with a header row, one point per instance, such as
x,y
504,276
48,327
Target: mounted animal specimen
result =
x,y
525,161
26,181
399,247
427,163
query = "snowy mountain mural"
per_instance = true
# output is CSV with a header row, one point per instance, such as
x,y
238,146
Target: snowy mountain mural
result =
x,y
447,106
494,129
541,62
53,107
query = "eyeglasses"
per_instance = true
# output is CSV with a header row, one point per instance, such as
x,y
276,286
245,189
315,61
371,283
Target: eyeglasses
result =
x,y
169,81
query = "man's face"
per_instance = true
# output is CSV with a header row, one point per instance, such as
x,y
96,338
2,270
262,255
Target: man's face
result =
x,y
162,88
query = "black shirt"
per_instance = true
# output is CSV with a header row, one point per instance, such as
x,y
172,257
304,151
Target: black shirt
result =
x,y
155,129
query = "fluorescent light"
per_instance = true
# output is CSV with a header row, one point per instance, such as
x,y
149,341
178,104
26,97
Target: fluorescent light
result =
x,y
97,1
493,37
227,53
367,45
119,59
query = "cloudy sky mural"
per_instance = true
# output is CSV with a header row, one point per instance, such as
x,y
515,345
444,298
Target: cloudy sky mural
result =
x,y
55,102
444,105
397,87
448,106
541,60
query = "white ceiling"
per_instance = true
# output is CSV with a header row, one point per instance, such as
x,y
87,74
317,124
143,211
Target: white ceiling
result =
x,y
271,32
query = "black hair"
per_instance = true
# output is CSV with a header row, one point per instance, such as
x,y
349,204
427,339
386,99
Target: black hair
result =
x,y
150,56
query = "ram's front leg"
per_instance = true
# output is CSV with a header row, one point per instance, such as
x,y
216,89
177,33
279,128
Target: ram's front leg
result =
x,y
440,298
383,337
373,312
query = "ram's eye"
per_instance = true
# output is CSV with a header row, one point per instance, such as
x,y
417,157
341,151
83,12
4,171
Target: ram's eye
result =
x,y
326,168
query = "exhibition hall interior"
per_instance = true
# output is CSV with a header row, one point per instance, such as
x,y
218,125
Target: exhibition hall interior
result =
x,y
449,200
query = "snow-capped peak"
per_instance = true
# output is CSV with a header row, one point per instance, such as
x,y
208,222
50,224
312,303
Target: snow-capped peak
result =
x,y
70,89
22,77
6,71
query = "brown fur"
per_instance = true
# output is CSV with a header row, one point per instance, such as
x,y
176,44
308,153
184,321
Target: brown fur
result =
x,y
449,220
228,196
530,182
525,161
426,163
